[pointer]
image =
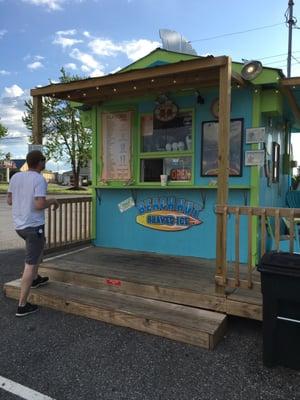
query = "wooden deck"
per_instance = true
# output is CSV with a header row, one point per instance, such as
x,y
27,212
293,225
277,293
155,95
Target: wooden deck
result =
x,y
165,295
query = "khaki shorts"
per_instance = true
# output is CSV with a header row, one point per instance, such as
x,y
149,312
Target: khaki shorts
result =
x,y
35,242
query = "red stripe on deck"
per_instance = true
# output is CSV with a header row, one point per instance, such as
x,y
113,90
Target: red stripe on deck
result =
x,y
113,282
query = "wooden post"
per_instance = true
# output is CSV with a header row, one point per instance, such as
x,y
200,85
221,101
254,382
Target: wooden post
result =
x,y
223,162
37,125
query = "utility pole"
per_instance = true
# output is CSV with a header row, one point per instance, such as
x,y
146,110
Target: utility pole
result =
x,y
291,22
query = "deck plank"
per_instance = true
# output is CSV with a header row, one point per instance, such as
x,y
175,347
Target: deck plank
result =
x,y
190,325
182,280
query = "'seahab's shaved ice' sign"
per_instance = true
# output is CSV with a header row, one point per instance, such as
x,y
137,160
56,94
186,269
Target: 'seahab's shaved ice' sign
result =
x,y
168,214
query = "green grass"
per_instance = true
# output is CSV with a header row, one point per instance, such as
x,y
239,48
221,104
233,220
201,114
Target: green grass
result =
x,y
54,189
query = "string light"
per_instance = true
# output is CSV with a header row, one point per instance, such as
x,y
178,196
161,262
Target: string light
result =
x,y
97,88
115,89
134,87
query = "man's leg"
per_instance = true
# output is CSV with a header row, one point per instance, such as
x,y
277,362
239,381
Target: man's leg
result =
x,y
29,274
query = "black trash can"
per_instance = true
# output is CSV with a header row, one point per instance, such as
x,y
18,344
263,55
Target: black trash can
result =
x,y
280,282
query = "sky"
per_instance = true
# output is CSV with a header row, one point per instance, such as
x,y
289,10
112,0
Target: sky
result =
x,y
97,37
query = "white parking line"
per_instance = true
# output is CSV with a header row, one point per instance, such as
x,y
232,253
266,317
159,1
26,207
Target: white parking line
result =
x,y
21,391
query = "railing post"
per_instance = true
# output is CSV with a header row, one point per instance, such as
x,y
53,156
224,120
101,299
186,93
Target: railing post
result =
x,y
223,166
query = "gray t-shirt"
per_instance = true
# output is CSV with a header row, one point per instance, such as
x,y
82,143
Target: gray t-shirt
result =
x,y
25,186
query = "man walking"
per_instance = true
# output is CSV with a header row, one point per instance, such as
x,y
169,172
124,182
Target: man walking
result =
x,y
27,196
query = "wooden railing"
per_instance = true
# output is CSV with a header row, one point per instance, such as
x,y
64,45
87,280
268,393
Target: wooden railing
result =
x,y
275,227
70,224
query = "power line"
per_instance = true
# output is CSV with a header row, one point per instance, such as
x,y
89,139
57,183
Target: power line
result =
x,y
296,59
236,33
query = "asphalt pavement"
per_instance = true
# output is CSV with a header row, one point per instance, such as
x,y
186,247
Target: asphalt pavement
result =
x,y
73,358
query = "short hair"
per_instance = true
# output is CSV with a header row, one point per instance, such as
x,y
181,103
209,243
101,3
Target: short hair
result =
x,y
34,157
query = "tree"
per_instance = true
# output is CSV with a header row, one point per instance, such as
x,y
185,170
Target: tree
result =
x,y
3,133
65,137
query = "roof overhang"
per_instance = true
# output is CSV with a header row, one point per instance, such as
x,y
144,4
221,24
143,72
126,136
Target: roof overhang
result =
x,y
291,88
193,74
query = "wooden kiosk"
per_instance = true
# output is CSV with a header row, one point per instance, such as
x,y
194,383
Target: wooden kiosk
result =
x,y
191,165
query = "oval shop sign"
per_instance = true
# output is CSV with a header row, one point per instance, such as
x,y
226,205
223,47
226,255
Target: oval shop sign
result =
x,y
168,214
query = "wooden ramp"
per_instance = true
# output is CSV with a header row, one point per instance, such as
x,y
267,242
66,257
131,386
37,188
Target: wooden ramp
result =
x,y
182,323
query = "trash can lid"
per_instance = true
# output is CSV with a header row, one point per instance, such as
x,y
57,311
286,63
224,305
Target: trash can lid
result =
x,y
282,263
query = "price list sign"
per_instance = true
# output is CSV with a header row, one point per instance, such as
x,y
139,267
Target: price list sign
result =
x,y
116,146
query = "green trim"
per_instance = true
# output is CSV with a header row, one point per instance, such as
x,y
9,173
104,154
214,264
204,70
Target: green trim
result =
x,y
267,76
166,56
94,169
170,186
254,177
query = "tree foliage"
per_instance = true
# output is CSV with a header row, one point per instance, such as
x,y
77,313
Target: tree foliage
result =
x,y
64,136
3,133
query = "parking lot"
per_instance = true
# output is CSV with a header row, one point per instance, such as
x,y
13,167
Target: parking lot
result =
x,y
68,357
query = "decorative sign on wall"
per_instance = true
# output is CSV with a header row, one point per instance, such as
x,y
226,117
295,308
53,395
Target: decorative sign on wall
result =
x,y
116,146
126,204
168,214
255,135
254,157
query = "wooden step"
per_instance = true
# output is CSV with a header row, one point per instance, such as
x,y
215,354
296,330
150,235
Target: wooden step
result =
x,y
151,284
185,324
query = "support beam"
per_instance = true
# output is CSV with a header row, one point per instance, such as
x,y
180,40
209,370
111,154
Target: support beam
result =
x,y
286,90
223,163
37,126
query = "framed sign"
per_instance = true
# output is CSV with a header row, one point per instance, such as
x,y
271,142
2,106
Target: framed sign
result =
x,y
255,157
209,148
255,135
116,146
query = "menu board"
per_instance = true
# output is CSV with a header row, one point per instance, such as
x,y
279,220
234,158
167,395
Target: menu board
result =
x,y
116,146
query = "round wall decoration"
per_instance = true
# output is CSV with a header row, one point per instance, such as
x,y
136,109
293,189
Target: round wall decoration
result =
x,y
214,108
166,111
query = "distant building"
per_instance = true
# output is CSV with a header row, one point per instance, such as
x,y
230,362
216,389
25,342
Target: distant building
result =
x,y
66,178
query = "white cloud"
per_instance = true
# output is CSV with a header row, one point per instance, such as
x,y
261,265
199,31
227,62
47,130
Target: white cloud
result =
x,y
67,32
96,72
115,70
88,62
84,68
71,66
13,91
35,65
11,112
136,49
4,72
2,33
37,58
86,34
66,42
104,47
51,5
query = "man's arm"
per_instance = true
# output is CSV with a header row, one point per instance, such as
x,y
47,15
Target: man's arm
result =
x,y
9,198
41,203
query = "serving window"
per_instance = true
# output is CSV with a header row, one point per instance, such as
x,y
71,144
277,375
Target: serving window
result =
x,y
166,148
173,135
